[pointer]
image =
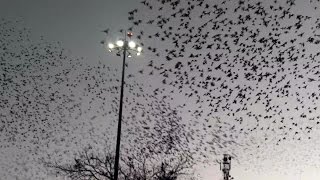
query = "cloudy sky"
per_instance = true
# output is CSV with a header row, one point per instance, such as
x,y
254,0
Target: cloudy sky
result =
x,y
268,114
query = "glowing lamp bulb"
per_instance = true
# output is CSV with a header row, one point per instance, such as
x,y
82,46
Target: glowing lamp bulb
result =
x,y
111,46
120,43
139,49
138,54
132,44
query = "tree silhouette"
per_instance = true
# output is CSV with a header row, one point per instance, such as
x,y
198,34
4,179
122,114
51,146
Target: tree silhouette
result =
x,y
139,166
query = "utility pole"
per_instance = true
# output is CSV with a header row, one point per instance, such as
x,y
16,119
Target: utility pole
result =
x,y
126,47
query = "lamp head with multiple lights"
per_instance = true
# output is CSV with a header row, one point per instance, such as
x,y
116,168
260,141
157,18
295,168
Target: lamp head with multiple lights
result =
x,y
124,45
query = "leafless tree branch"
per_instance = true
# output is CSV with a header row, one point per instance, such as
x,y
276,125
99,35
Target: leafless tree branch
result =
x,y
137,166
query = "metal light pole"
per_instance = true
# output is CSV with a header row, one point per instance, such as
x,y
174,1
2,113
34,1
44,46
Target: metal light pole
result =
x,y
226,166
126,48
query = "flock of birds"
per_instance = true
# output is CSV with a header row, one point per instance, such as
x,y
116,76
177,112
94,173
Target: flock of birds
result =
x,y
239,78
253,64
54,104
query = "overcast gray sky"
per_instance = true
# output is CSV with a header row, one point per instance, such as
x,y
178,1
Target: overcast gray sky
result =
x,y
77,24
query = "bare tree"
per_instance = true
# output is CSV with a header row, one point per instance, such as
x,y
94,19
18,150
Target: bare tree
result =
x,y
86,165
139,166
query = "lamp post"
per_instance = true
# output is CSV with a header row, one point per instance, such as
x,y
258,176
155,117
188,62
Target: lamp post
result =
x,y
127,48
226,166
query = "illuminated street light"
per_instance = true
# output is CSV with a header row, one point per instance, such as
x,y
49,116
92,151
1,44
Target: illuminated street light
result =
x,y
120,43
132,44
111,46
127,49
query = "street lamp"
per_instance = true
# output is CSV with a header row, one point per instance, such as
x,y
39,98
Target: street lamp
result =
x,y
127,48
226,166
